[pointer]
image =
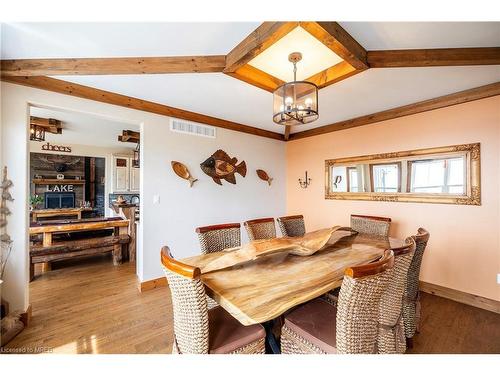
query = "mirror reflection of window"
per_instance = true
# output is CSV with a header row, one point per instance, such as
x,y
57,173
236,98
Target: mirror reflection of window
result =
x,y
352,180
385,178
445,176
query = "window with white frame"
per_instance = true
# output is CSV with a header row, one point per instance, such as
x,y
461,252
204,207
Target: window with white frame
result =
x,y
386,177
352,180
440,175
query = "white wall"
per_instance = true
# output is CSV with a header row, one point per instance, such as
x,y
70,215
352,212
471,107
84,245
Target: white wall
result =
x,y
92,151
180,210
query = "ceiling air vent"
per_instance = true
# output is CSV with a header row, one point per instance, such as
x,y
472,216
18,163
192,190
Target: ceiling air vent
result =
x,y
186,127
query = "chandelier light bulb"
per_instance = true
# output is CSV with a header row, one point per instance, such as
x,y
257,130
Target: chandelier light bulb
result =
x,y
288,100
308,102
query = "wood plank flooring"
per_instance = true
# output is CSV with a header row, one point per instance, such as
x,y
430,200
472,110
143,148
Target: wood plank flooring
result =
x,y
91,306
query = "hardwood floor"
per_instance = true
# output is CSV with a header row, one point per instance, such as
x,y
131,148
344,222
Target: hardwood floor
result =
x,y
93,307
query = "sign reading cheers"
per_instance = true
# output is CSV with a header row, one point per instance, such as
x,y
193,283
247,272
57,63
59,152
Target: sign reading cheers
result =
x,y
48,147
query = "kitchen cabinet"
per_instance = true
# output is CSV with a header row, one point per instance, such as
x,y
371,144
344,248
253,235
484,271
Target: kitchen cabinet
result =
x,y
125,177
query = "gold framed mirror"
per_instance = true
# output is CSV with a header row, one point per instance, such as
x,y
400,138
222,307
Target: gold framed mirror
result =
x,y
450,175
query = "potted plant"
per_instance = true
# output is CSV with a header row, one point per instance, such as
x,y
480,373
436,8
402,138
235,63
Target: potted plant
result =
x,y
35,201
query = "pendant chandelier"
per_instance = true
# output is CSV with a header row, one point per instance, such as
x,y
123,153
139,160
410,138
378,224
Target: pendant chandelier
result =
x,y
295,102
37,133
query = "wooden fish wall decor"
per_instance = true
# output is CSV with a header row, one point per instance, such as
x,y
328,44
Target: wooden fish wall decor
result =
x,y
182,171
264,176
220,166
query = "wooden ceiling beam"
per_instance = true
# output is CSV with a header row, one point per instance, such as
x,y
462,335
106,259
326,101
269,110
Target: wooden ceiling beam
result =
x,y
334,74
122,138
130,136
332,35
411,109
259,40
73,89
114,65
433,57
256,77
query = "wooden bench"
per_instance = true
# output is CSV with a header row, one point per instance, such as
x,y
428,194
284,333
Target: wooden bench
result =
x,y
50,251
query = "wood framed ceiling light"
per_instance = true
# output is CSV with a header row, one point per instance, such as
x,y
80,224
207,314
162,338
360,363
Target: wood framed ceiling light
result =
x,y
330,34
39,126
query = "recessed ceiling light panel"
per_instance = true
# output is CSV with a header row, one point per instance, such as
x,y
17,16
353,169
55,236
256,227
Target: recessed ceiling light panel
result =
x,y
316,57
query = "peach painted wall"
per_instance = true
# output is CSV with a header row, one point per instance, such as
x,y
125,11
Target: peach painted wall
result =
x,y
464,247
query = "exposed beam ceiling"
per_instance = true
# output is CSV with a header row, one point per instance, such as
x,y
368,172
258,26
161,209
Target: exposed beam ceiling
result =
x,y
411,109
73,89
257,77
332,35
31,72
334,74
217,63
68,88
433,57
260,39
120,65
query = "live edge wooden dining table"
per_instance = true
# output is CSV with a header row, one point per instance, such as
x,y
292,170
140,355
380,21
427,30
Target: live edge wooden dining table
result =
x,y
262,289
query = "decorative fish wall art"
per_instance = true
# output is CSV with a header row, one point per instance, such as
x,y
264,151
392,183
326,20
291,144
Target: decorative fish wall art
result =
x,y
220,166
264,176
182,171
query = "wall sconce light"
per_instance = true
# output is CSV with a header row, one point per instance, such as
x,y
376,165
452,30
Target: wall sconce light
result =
x,y
304,183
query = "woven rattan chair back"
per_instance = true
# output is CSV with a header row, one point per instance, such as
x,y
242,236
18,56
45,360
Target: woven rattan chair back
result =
x,y
374,225
391,338
411,294
292,226
215,238
189,306
358,304
260,229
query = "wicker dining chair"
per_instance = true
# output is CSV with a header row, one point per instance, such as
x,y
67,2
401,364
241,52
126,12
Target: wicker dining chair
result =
x,y
391,338
411,298
318,327
260,229
198,330
218,237
375,225
292,226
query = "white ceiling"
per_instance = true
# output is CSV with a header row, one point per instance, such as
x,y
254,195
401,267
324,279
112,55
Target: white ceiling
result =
x,y
52,40
408,35
222,96
82,128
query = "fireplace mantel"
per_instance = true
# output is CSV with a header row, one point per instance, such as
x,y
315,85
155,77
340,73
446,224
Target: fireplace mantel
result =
x,y
55,181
